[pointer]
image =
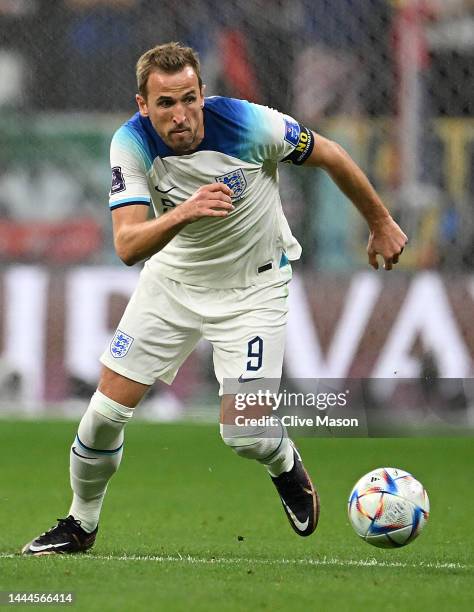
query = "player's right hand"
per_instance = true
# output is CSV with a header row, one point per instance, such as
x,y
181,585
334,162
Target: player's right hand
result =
x,y
212,200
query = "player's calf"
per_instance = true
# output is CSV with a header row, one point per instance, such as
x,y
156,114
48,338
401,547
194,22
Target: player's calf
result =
x,y
267,445
298,495
271,446
94,457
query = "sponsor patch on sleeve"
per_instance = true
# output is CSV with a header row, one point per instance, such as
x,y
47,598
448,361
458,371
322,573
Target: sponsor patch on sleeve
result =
x,y
292,132
118,182
303,146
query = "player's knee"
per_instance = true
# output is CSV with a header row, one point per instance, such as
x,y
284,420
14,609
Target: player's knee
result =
x,y
126,392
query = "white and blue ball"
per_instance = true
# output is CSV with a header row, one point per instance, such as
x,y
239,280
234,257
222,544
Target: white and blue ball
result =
x,y
388,508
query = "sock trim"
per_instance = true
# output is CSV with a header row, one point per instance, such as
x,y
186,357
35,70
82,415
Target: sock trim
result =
x,y
265,459
111,409
274,452
96,450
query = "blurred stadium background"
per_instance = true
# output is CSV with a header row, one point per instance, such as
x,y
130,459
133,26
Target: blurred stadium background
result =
x,y
392,81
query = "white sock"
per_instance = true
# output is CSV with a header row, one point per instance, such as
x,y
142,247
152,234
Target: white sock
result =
x,y
282,459
267,445
95,456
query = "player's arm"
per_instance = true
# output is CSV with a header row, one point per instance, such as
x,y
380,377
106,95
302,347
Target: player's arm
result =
x,y
386,238
136,237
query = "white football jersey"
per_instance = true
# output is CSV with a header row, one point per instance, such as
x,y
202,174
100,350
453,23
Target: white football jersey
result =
x,y
243,142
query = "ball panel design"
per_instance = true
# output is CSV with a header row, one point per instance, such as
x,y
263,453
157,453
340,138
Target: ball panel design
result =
x,y
400,537
373,482
394,539
396,474
388,507
381,541
410,488
420,517
396,512
371,505
359,520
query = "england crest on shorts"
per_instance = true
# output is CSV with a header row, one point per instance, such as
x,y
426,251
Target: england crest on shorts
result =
x,y
120,344
235,180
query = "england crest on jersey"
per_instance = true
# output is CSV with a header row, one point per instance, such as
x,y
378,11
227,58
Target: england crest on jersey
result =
x,y
235,180
120,344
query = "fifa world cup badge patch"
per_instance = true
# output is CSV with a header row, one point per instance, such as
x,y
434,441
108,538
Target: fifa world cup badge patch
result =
x,y
120,344
118,182
235,180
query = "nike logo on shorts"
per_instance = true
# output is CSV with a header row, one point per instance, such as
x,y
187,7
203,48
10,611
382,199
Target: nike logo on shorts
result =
x,y
244,380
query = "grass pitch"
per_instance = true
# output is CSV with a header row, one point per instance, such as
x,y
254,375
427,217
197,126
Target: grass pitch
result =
x,y
187,525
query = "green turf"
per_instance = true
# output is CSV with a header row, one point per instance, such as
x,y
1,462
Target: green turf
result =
x,y
181,494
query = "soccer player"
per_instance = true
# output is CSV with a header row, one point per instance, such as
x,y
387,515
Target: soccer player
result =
x,y
217,266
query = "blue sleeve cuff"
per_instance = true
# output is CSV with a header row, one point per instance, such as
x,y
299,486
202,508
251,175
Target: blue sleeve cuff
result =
x,y
129,202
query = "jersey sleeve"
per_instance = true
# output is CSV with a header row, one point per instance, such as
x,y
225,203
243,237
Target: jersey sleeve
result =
x,y
129,165
278,137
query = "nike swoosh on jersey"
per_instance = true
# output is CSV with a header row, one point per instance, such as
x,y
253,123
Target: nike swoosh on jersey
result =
x,y
298,524
82,456
47,546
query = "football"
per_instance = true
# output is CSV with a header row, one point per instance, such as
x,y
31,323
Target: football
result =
x,y
388,508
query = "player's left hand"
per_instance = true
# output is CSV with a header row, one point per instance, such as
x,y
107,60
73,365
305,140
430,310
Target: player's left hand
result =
x,y
388,240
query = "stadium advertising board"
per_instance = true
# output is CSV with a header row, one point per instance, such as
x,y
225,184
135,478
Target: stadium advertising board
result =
x,y
54,326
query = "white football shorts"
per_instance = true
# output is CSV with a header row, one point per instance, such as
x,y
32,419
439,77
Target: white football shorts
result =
x,y
165,319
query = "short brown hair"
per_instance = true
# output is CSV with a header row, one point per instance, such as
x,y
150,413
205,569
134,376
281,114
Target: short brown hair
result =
x,y
171,57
